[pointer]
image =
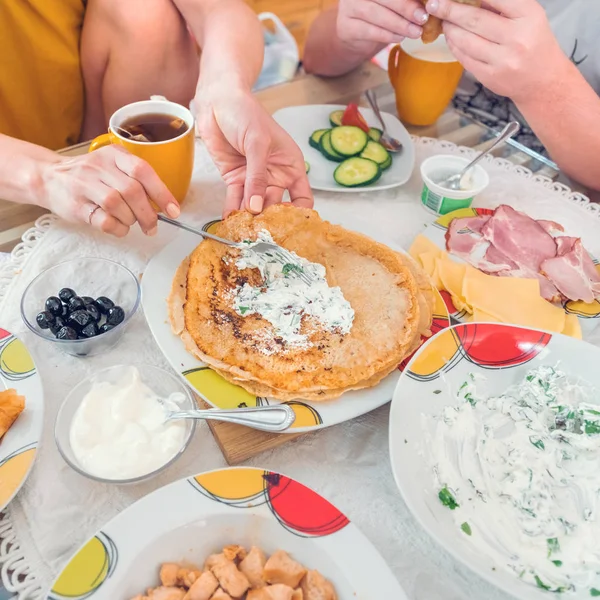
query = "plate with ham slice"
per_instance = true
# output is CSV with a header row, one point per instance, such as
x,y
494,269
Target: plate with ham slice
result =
x,y
503,265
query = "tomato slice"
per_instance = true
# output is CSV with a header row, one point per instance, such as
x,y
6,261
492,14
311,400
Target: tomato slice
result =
x,y
353,117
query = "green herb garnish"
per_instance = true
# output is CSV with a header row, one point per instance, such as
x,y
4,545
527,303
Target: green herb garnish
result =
x,y
591,427
549,588
594,592
289,267
466,528
553,546
557,563
538,443
447,499
243,309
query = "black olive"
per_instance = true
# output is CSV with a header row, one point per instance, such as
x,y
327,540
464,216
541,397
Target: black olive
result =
x,y
54,305
66,333
106,327
65,311
66,294
93,311
45,319
115,315
75,303
104,304
90,330
58,324
78,319
87,299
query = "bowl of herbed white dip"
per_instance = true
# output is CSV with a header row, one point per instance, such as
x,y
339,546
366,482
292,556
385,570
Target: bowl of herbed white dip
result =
x,y
112,427
495,447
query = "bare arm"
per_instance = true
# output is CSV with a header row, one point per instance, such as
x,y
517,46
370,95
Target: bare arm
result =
x,y
231,39
326,54
566,118
346,35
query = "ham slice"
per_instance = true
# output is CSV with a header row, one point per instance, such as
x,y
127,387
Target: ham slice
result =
x,y
551,227
573,272
519,237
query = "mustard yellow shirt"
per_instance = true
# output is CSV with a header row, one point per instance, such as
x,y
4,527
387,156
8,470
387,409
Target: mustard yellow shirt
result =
x,y
41,88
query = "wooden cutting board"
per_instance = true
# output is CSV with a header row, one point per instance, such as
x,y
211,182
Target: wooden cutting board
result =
x,y
239,443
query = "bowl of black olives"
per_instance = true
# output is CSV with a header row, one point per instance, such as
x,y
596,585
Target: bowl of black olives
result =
x,y
83,305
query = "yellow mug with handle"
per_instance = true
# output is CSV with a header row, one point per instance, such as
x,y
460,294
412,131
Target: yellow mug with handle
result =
x,y
424,77
173,160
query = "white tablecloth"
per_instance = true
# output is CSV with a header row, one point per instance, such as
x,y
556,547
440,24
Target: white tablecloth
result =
x,y
57,509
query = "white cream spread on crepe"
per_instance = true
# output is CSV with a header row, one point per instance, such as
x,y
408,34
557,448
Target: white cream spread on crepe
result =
x,y
284,298
521,474
119,430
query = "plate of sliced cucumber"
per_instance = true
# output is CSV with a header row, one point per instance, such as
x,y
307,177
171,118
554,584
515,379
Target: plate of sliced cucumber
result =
x,y
341,147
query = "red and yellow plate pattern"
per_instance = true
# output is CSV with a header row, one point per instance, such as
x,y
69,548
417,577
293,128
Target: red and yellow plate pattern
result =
x,y
18,447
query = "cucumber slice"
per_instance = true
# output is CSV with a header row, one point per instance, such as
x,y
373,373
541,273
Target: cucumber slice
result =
x,y
348,140
315,137
357,172
387,164
376,152
327,150
306,166
335,118
375,134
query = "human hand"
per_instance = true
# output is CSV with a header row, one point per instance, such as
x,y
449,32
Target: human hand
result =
x,y
109,189
379,21
257,159
507,45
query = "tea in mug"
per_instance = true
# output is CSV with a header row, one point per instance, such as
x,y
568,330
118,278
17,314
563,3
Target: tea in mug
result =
x,y
152,128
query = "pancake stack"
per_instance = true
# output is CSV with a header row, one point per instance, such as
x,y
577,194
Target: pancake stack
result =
x,y
391,296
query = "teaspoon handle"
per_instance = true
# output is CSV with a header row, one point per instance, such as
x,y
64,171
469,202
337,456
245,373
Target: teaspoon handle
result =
x,y
264,418
373,103
199,232
509,130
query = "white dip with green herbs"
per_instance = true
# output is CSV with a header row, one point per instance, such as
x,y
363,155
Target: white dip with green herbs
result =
x,y
521,474
283,298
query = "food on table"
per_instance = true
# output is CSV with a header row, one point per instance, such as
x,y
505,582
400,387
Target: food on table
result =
x,y
71,317
509,243
11,406
350,138
261,327
119,429
235,574
519,471
432,29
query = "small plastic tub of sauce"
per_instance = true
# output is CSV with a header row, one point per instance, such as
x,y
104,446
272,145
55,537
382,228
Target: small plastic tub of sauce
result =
x,y
441,200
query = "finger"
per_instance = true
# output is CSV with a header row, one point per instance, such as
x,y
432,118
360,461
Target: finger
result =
x,y
255,186
472,45
360,30
300,192
412,10
106,223
135,199
233,199
471,18
471,64
140,170
111,202
274,196
513,9
392,20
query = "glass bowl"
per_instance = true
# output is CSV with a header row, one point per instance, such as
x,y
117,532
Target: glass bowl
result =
x,y
161,382
96,277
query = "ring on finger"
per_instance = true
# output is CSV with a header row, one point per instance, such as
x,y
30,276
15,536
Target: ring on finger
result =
x,y
93,209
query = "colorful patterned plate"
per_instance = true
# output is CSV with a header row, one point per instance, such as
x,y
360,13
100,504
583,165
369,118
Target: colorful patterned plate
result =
x,y
192,518
588,314
156,285
501,353
19,444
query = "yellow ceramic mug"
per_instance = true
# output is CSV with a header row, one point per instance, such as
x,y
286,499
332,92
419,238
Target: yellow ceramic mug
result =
x,y
425,77
173,160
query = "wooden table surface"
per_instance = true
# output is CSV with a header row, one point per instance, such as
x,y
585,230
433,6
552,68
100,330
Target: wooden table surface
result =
x,y
15,219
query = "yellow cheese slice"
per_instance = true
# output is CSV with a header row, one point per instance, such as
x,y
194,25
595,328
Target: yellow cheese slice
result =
x,y
512,300
572,326
479,316
422,245
451,275
428,261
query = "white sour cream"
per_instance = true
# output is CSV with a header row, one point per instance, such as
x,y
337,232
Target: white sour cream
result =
x,y
521,474
119,430
284,298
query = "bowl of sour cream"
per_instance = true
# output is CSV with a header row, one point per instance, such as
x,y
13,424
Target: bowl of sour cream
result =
x,y
112,427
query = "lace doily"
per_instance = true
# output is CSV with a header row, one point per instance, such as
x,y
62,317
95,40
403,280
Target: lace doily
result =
x,y
57,510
